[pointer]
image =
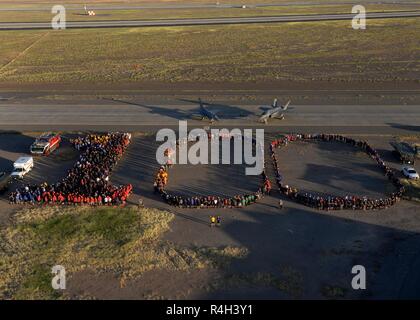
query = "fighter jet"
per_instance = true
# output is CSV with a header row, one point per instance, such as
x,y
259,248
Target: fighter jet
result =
x,y
205,114
6,99
274,112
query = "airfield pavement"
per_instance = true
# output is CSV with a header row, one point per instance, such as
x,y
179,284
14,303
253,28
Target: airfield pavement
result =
x,y
130,115
310,249
204,21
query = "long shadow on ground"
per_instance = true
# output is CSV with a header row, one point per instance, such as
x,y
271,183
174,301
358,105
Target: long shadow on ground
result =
x,y
309,253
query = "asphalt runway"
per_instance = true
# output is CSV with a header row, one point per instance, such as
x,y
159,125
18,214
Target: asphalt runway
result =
x,y
205,21
203,6
120,115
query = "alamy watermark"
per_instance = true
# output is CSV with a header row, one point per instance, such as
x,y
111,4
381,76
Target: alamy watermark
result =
x,y
248,148
359,280
58,282
359,20
58,22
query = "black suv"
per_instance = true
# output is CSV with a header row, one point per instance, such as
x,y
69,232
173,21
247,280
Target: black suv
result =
x,y
4,181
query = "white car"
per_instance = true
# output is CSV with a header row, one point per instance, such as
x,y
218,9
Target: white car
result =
x,y
410,173
22,166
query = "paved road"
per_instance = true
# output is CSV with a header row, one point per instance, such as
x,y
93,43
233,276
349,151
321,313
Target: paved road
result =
x,y
204,21
204,6
372,119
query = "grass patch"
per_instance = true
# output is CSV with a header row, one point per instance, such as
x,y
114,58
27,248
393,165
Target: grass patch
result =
x,y
333,292
289,281
413,189
37,285
123,241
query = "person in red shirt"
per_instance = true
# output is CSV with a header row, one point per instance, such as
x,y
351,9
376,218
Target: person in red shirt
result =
x,y
267,186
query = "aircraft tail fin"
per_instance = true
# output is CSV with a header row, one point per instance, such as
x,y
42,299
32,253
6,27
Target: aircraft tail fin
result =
x,y
274,105
286,105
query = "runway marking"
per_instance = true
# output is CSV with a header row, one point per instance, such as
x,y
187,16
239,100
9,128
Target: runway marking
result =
x,y
22,53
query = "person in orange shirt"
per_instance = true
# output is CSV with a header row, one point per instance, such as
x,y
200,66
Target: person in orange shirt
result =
x,y
165,177
267,186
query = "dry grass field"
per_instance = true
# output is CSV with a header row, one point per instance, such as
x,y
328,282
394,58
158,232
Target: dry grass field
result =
x,y
330,51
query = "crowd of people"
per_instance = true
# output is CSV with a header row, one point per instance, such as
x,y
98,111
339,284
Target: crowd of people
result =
x,y
87,182
236,201
336,202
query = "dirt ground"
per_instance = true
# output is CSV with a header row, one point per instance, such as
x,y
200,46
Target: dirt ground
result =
x,y
333,168
308,250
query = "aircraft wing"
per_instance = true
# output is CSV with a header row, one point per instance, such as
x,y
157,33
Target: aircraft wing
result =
x,y
276,114
196,116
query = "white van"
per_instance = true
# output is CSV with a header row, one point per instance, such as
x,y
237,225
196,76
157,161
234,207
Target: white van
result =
x,y
22,166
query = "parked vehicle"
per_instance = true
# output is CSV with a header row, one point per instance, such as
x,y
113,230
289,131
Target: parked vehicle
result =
x,y
46,143
410,173
4,181
404,151
22,166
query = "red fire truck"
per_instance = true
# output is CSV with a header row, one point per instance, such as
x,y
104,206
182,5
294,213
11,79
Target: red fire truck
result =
x,y
46,143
